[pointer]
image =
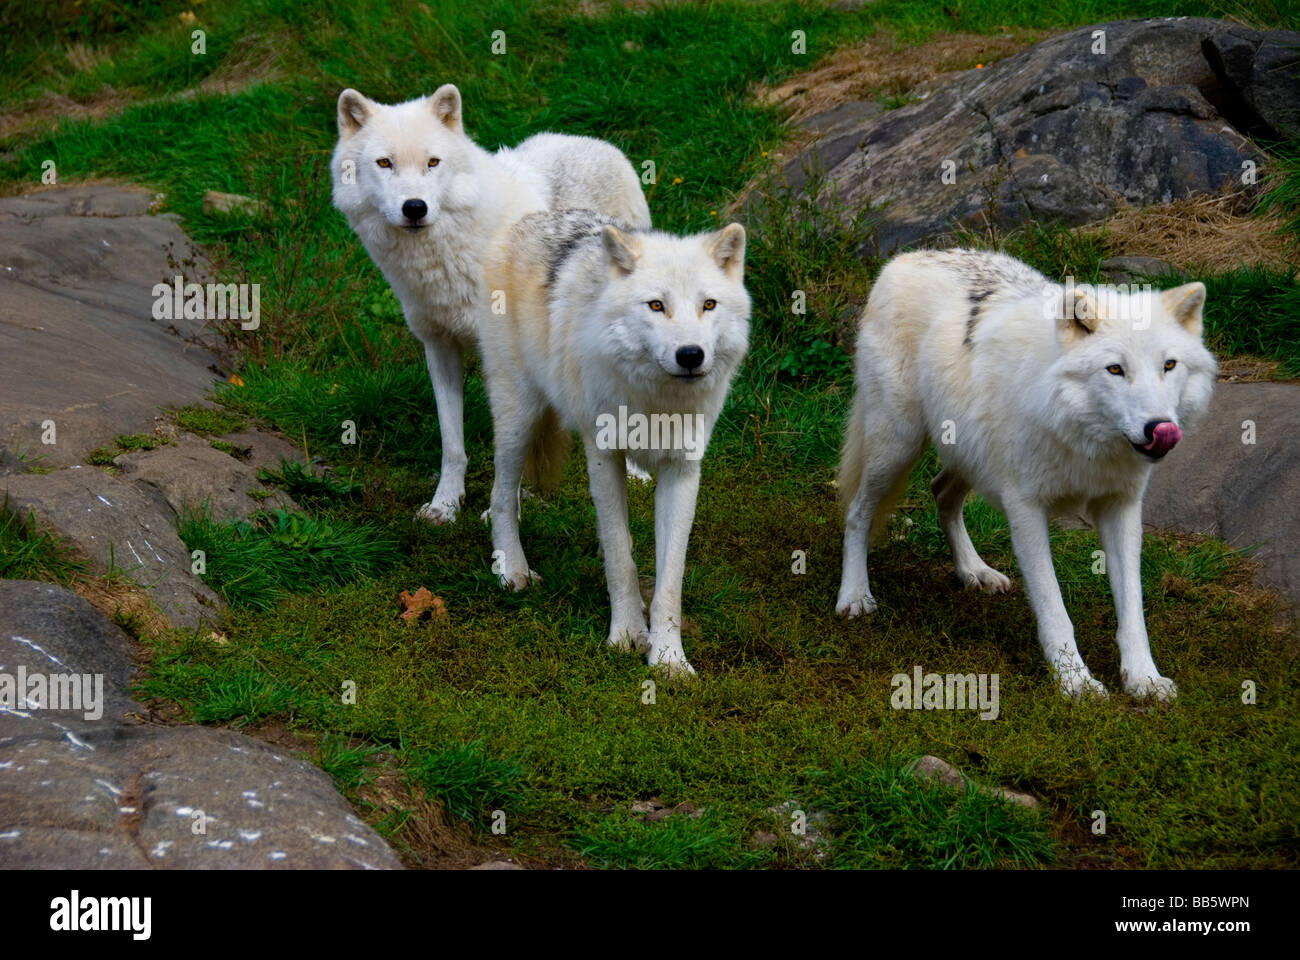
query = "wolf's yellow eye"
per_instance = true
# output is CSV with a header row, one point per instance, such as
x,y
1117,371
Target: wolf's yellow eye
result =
x,y
434,161
384,162
657,306
1116,369
710,304
1170,364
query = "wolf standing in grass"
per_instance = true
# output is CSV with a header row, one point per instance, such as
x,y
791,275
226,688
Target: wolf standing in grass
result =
x,y
426,200
1045,399
631,338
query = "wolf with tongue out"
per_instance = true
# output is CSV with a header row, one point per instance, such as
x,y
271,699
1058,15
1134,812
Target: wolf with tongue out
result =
x,y
1045,399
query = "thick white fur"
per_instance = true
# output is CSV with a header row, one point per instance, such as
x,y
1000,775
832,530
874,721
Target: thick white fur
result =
x,y
1038,424
471,194
589,343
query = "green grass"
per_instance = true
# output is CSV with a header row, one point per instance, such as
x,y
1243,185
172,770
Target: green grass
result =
x,y
1256,311
710,842
301,484
30,552
208,421
467,780
351,767
239,453
1282,190
125,443
254,563
513,702
140,441
887,819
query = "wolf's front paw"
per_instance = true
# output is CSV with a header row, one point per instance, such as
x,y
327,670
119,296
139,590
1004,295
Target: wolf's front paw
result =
x,y
1076,685
667,655
519,579
1150,685
439,511
854,603
984,578
628,637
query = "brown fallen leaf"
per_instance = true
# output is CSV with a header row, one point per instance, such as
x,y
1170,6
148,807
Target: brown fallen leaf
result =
x,y
416,605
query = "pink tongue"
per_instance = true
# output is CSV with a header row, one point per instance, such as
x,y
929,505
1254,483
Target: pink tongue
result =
x,y
1163,438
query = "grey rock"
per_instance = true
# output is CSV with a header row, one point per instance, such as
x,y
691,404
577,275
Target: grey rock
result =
x,y
191,474
214,201
78,342
185,798
838,132
1055,132
265,450
1127,268
498,865
933,768
1214,483
45,630
11,463
115,522
109,793
1262,77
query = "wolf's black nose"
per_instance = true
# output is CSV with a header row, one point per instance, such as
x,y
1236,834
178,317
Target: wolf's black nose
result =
x,y
1150,428
414,210
690,357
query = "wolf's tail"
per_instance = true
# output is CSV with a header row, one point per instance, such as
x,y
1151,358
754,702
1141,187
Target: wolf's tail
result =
x,y
853,457
853,464
547,451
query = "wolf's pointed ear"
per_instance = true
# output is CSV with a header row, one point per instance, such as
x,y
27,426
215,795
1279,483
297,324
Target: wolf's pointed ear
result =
x,y
354,110
445,103
1078,312
727,248
622,249
1185,304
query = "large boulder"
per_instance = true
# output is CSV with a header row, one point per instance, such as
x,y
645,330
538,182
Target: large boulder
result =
x,y
118,525
191,475
1260,74
1130,112
78,340
1237,476
98,789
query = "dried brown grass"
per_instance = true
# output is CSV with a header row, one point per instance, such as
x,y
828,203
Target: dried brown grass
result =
x,y
1208,234
883,66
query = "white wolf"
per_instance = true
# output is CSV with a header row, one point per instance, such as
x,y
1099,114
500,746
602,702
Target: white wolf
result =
x,y
1043,398
631,338
426,200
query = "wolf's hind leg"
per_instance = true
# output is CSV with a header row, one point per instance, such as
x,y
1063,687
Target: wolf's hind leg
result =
x,y
880,449
950,490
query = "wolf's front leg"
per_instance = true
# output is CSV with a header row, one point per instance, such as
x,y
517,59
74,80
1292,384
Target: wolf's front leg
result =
x,y
679,484
1119,526
447,373
607,474
1033,547
513,420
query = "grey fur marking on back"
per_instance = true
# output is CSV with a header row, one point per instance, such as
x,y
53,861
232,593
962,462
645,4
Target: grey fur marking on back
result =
x,y
563,232
989,276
